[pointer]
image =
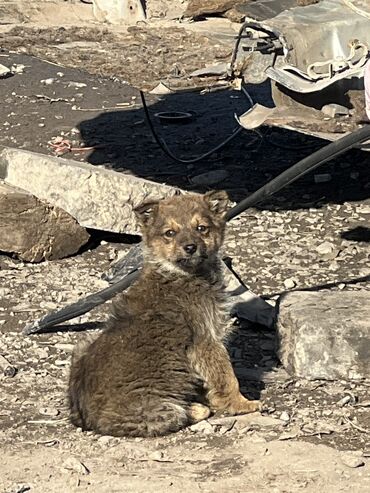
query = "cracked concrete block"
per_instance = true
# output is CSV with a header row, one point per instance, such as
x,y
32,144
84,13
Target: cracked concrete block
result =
x,y
97,198
325,335
35,231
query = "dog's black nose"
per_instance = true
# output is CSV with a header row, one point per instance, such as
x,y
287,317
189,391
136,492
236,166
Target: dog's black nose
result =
x,y
190,249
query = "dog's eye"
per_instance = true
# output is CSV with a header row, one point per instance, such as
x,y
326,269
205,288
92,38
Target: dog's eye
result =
x,y
170,233
201,228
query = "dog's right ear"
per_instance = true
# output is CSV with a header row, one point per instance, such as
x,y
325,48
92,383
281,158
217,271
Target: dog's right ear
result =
x,y
217,201
145,212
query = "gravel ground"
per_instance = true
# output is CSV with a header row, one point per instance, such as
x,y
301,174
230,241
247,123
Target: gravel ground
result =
x,y
309,236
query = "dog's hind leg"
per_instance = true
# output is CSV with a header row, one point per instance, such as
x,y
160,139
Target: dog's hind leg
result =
x,y
212,363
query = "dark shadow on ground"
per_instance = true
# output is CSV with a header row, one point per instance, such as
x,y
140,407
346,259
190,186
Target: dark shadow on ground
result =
x,y
34,114
252,350
123,141
360,234
97,236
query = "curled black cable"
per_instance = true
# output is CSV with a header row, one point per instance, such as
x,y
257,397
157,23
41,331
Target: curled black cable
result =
x,y
165,148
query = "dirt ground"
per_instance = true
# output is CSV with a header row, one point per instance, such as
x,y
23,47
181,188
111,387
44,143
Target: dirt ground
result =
x,y
143,55
312,435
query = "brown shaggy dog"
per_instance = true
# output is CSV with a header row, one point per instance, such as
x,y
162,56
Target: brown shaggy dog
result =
x,y
161,363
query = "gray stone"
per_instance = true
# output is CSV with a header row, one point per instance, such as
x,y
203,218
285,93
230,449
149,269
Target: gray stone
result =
x,y
352,459
334,110
4,71
289,283
202,427
210,178
245,304
49,411
106,439
97,198
34,230
284,416
327,250
256,419
73,464
325,335
223,424
322,178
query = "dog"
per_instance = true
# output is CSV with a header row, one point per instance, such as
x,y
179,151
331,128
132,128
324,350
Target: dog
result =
x,y
161,363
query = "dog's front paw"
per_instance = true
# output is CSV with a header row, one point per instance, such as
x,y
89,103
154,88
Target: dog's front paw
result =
x,y
244,406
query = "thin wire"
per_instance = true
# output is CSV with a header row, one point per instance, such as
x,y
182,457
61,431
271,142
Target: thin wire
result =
x,y
247,95
162,144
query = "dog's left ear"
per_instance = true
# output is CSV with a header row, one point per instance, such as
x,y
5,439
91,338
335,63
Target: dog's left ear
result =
x,y
217,201
145,212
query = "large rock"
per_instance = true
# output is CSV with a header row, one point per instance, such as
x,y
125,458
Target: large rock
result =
x,y
325,334
197,8
97,198
34,230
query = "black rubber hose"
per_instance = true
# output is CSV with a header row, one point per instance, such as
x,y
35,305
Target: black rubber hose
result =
x,y
301,168
81,306
292,174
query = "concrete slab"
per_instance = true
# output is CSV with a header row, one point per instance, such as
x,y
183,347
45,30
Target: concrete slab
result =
x,y
97,198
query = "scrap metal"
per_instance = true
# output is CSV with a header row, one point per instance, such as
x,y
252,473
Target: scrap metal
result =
x,y
314,57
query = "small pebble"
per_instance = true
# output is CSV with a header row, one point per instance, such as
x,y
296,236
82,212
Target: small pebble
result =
x,y
48,82
322,178
289,283
75,465
345,400
105,439
284,416
49,411
352,460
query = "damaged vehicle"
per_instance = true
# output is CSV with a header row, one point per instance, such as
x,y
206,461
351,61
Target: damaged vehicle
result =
x,y
314,57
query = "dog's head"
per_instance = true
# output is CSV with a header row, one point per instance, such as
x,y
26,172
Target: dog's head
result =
x,y
184,231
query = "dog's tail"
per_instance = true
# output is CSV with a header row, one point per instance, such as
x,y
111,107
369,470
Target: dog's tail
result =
x,y
159,419
77,381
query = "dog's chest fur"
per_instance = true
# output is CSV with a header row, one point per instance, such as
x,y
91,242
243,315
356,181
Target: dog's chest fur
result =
x,y
165,299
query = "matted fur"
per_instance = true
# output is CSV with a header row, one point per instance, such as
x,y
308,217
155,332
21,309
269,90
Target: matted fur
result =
x,y
161,364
